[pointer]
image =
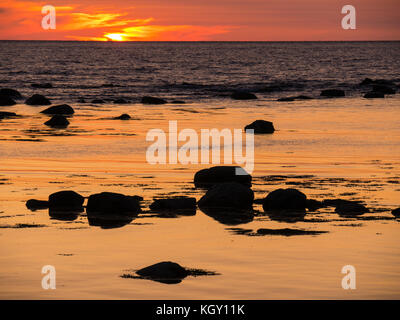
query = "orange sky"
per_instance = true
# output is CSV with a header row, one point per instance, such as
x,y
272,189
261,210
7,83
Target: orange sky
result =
x,y
183,20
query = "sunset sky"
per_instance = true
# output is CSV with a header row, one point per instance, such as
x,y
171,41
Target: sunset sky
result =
x,y
192,20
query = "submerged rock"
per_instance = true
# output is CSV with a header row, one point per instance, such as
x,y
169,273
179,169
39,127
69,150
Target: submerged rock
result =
x,y
313,205
57,121
113,203
10,93
243,95
45,85
37,100
288,232
62,109
383,89
231,195
123,117
373,94
34,204
332,93
153,100
121,101
396,212
301,97
66,200
98,101
163,270
351,208
178,102
261,127
6,114
206,178
285,200
6,101
174,204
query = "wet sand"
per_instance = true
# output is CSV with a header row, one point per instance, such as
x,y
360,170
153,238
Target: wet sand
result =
x,y
327,148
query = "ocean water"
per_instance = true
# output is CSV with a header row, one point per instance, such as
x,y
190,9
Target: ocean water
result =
x,y
344,148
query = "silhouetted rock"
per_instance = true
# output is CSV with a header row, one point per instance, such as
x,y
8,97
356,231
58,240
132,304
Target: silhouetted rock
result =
x,y
38,100
261,127
228,195
62,109
6,101
301,97
313,205
45,85
174,204
123,117
107,221
368,81
373,94
6,114
178,102
57,121
287,232
243,95
206,178
332,93
120,101
383,89
34,204
98,101
66,200
285,199
337,202
164,272
11,93
396,212
113,203
153,100
351,208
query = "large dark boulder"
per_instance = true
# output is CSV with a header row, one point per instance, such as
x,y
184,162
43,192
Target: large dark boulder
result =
x,y
113,203
332,93
153,100
373,95
69,200
231,195
243,95
261,127
383,89
57,121
206,178
285,199
62,109
350,208
6,101
396,212
164,271
174,204
38,100
11,93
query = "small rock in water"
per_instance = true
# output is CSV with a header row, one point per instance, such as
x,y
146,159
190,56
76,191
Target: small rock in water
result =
x,y
373,95
57,121
34,204
97,101
285,200
5,115
332,93
6,101
69,200
62,109
11,93
113,203
288,232
231,195
243,95
46,85
178,102
120,101
123,117
166,270
153,100
38,100
261,127
396,212
313,205
206,178
383,89
179,203
351,208
301,97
